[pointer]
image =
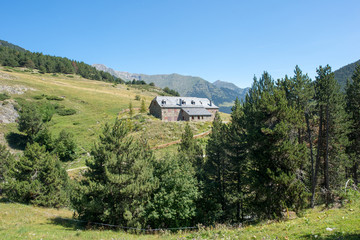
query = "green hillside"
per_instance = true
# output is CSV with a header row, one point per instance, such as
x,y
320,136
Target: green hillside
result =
x,y
345,73
95,102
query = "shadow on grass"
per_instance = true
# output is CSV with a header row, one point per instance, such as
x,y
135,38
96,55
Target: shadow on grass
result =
x,y
335,236
69,223
16,140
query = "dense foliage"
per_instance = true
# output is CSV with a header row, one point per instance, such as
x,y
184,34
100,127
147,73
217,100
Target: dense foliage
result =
x,y
38,178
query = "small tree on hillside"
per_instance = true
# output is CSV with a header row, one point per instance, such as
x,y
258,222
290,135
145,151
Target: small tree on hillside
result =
x,y
131,110
143,108
30,120
65,146
7,162
39,179
118,185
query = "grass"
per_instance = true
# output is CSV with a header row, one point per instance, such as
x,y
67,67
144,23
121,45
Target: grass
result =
x,y
94,104
19,221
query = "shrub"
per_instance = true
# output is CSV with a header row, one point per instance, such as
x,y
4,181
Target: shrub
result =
x,y
56,98
65,146
4,96
39,97
65,111
137,97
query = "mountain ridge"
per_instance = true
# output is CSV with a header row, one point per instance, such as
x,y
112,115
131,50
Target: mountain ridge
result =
x,y
222,93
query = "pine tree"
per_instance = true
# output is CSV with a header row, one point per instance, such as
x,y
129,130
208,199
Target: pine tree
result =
x,y
65,146
332,132
7,162
131,110
353,110
39,179
191,149
274,152
216,172
143,108
119,183
236,151
30,120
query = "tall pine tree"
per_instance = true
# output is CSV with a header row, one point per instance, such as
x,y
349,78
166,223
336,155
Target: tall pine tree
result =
x,y
353,110
332,139
274,152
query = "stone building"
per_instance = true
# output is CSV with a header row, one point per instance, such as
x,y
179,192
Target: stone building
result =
x,y
183,108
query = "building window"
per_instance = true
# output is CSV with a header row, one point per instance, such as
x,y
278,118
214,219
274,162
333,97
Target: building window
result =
x,y
183,118
202,117
198,117
192,117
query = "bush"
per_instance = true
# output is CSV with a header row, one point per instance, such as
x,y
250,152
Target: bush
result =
x,y
65,111
65,146
137,97
4,96
39,97
55,98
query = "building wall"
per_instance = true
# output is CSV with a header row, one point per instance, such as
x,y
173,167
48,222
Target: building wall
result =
x,y
199,118
212,111
170,114
155,109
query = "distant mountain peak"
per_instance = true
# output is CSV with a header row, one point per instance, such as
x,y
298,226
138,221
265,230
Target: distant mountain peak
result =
x,y
188,86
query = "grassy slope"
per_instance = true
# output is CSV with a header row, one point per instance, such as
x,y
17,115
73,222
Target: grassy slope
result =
x,y
18,221
96,103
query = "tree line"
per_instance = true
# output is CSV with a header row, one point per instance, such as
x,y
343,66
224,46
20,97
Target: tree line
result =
x,y
14,56
291,144
51,64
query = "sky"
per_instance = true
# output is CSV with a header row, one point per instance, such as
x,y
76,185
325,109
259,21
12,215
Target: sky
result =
x,y
217,40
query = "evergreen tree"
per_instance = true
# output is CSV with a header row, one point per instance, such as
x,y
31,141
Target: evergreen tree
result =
x,y
39,179
353,110
332,132
274,152
236,151
143,108
216,171
118,185
65,146
131,110
191,149
7,162
30,120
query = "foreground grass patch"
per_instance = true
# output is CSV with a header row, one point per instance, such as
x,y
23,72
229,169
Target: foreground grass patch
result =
x,y
18,221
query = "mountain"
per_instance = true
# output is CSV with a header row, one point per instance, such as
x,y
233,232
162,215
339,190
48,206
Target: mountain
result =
x,y
12,46
345,73
222,93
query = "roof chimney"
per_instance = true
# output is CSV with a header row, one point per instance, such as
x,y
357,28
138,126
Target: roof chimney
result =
x,y
210,103
180,101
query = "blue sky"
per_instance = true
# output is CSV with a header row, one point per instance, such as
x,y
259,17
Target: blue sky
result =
x,y
227,40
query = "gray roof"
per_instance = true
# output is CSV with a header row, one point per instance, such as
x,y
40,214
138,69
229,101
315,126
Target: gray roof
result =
x,y
188,102
196,111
